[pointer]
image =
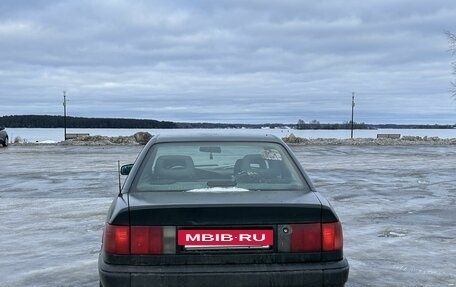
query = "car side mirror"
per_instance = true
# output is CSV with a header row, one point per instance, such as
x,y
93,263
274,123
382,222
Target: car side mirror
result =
x,y
125,169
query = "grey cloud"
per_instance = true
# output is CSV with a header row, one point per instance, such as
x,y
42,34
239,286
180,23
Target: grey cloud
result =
x,y
228,60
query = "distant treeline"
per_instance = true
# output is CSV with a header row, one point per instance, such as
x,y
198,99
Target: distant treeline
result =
x,y
228,126
316,125
38,121
45,121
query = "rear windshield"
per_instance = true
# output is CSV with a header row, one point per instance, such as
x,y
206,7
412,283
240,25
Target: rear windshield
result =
x,y
218,167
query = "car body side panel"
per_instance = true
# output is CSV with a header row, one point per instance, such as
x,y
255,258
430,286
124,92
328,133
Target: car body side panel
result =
x,y
118,212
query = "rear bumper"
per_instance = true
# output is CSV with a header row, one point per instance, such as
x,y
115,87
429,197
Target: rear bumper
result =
x,y
252,275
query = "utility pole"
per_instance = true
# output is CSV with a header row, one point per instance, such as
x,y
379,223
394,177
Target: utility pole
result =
x,y
353,108
64,115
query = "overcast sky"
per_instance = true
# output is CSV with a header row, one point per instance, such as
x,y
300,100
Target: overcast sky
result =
x,y
253,61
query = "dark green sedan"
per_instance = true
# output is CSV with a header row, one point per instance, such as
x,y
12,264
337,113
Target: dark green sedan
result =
x,y
215,210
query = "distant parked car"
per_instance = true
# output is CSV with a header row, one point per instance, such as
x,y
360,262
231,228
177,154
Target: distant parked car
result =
x,y
3,137
220,211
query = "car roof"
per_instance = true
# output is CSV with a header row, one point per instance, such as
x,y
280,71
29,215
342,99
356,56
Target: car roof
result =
x,y
215,137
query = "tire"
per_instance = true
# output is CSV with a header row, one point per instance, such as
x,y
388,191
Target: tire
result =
x,y
5,142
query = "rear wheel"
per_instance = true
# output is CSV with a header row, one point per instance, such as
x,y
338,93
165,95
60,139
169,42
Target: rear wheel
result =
x,y
5,143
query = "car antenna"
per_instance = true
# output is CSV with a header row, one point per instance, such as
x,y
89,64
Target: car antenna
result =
x,y
118,172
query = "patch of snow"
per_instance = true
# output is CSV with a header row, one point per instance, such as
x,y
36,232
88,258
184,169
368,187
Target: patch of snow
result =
x,y
218,189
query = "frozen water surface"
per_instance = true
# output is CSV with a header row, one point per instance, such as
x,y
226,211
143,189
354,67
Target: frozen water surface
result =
x,y
397,206
396,203
53,203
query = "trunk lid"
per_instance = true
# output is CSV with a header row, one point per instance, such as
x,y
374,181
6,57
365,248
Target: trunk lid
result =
x,y
223,209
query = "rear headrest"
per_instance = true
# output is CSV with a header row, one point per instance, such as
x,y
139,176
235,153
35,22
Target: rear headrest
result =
x,y
253,161
177,167
249,162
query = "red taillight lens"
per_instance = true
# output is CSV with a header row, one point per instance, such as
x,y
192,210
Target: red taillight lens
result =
x,y
116,239
136,240
314,237
146,240
332,237
305,237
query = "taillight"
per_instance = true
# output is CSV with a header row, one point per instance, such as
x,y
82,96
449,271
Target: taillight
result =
x,y
116,239
313,237
139,240
305,238
146,240
332,237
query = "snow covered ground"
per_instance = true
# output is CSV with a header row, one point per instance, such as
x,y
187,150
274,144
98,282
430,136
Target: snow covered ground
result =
x,y
396,203
42,135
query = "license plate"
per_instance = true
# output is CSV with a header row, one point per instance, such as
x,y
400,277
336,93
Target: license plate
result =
x,y
229,239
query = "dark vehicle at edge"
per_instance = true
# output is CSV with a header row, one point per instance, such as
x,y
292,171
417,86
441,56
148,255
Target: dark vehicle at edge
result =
x,y
214,210
3,137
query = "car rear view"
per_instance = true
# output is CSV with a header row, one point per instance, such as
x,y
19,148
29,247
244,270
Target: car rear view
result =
x,y
220,211
3,137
